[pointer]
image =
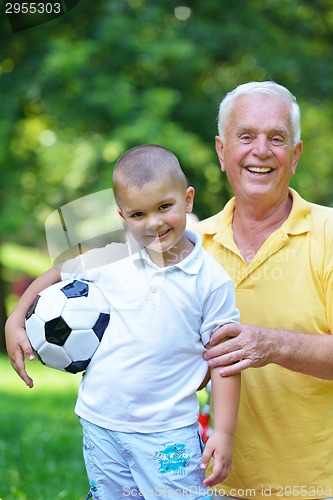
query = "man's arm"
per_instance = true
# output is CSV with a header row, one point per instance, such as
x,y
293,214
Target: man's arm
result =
x,y
246,346
17,342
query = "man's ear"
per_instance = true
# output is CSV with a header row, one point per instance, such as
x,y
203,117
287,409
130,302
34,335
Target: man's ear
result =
x,y
297,153
220,151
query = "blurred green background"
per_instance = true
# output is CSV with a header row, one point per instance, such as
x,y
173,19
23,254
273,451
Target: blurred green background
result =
x,y
78,91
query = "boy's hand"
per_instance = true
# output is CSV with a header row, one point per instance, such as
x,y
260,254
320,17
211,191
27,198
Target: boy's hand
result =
x,y
218,446
17,342
18,347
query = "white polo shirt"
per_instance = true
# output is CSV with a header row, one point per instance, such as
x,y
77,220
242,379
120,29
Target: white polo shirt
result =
x,y
144,375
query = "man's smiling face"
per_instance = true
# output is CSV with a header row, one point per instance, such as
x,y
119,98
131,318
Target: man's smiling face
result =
x,y
257,153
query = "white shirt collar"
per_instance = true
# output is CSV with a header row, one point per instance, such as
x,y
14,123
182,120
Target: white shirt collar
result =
x,y
191,264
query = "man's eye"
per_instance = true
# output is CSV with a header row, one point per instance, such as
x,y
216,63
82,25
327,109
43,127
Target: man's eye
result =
x,y
277,139
245,138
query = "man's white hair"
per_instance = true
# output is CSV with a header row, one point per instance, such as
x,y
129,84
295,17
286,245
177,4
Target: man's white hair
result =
x,y
257,89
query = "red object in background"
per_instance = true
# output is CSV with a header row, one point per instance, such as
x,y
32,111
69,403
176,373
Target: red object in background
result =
x,y
20,285
204,423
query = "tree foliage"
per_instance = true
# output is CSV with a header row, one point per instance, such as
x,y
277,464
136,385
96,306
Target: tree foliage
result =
x,y
78,91
108,75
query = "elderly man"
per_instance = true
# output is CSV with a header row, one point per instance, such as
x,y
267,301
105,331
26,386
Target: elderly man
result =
x,y
278,248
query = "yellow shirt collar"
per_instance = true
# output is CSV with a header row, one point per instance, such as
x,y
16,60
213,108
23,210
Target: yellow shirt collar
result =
x,y
220,224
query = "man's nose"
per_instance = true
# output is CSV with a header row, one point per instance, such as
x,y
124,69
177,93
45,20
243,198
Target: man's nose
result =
x,y
262,147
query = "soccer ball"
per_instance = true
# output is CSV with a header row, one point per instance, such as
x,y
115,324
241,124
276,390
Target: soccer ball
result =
x,y
65,324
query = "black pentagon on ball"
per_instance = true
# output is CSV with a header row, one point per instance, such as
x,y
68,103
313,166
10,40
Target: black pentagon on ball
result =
x,y
76,289
101,324
32,308
57,331
78,366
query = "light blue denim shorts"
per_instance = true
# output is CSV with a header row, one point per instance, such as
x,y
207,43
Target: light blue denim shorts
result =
x,y
153,466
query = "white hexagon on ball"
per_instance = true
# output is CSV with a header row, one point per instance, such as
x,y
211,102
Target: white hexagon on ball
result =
x,y
81,344
54,356
52,304
37,332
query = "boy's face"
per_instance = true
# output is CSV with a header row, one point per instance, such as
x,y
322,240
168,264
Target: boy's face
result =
x,y
156,216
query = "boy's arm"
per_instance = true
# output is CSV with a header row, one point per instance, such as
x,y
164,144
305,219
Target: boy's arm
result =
x,y
225,393
205,381
17,342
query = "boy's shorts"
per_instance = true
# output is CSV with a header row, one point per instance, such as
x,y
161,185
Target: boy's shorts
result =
x,y
153,466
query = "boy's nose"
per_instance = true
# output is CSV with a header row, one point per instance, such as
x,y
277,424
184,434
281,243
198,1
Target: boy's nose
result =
x,y
153,222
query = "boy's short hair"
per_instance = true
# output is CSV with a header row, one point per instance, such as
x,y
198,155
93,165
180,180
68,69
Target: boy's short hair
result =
x,y
146,163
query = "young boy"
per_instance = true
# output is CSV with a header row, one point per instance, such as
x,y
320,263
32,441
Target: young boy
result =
x,y
137,400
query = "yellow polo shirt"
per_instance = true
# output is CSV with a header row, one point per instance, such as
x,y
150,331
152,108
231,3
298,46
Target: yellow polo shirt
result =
x,y
283,445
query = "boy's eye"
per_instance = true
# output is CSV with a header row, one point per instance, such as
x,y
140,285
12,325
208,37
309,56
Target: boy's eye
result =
x,y
165,206
136,215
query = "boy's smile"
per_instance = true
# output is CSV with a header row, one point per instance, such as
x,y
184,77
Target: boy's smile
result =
x,y
156,217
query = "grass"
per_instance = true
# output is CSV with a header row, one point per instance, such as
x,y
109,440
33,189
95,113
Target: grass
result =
x,y
40,436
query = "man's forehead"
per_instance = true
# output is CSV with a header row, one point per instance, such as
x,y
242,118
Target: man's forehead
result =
x,y
268,113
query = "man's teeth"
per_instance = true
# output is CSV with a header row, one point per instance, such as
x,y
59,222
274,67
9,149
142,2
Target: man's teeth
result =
x,y
259,170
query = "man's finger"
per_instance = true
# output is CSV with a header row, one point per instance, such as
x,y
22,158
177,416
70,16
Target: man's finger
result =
x,y
238,367
225,331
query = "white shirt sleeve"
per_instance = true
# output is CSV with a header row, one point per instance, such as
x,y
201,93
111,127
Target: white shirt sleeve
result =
x,y
219,309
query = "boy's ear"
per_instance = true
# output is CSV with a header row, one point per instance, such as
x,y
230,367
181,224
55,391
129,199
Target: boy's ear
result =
x,y
121,214
189,199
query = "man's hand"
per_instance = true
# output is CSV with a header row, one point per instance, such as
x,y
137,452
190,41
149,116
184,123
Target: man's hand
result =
x,y
240,347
